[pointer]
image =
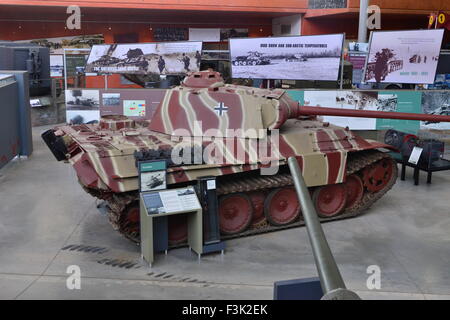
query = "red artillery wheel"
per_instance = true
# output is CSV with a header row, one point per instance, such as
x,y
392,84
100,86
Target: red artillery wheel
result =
x,y
330,200
129,221
355,190
378,175
178,229
281,206
257,198
235,213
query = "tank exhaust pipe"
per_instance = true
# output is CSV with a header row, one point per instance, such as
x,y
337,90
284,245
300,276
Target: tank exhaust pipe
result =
x,y
322,111
331,281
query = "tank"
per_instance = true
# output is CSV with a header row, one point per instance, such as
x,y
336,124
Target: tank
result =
x,y
254,58
243,136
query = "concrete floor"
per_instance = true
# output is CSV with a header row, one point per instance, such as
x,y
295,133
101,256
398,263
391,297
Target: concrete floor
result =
x,y
43,210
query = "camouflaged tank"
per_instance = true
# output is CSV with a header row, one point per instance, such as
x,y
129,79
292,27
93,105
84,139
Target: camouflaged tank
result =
x,y
251,131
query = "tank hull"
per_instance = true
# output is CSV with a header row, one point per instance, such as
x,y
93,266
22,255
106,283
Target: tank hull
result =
x,y
105,165
104,159
243,136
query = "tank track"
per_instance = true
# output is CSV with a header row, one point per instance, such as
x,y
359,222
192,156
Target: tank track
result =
x,y
357,162
118,203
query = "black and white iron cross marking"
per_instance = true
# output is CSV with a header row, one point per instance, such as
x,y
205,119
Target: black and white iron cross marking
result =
x,y
221,109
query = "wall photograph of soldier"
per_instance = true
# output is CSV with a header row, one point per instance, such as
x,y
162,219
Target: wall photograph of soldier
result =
x,y
167,58
198,58
381,64
161,64
403,56
185,59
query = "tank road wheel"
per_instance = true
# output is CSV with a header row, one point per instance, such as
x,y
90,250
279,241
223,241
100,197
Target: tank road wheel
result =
x,y
281,206
257,198
178,229
355,190
244,63
129,221
254,63
330,200
235,213
378,175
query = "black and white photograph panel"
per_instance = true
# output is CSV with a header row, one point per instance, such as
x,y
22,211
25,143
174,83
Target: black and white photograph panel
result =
x,y
437,103
404,56
151,181
361,100
146,58
82,99
289,58
387,102
56,65
82,116
111,99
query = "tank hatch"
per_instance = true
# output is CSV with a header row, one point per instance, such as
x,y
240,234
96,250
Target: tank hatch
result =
x,y
116,122
203,79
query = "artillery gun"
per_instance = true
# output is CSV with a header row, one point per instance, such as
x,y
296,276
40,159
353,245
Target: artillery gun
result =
x,y
243,136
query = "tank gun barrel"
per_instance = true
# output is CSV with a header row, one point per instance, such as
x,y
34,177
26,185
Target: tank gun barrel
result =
x,y
322,111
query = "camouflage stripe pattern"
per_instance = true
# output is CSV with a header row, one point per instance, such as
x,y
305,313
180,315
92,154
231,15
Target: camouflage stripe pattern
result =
x,y
102,154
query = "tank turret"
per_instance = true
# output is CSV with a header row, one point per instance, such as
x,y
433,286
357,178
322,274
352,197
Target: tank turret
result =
x,y
204,98
238,134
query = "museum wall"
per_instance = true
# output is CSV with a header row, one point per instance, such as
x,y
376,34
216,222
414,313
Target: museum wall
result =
x,y
225,5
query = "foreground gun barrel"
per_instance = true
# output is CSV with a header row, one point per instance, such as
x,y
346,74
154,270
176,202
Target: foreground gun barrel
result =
x,y
322,111
333,285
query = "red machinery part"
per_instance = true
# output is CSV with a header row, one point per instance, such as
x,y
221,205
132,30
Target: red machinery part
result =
x,y
355,190
330,200
131,218
257,198
235,213
378,175
281,206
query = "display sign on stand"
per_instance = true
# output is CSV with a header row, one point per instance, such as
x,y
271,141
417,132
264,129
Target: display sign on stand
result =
x,y
171,201
158,203
155,207
161,58
288,58
207,193
403,56
74,64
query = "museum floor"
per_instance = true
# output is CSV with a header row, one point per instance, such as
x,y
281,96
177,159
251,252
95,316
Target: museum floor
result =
x,y
43,210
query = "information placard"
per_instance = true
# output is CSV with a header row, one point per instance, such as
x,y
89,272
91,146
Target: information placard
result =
x,y
171,201
415,155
